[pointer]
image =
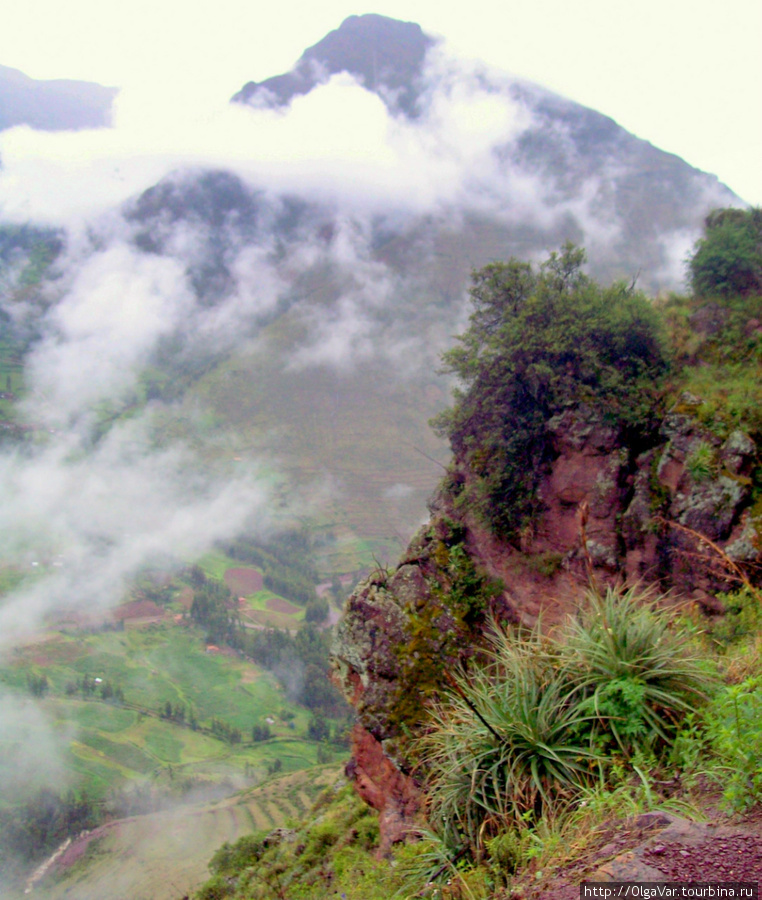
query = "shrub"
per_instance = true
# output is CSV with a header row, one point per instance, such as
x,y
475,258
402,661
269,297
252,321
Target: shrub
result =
x,y
535,724
260,733
701,462
728,260
506,744
539,343
316,610
741,620
638,672
734,728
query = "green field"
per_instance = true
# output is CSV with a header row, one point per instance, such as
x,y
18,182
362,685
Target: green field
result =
x,y
109,745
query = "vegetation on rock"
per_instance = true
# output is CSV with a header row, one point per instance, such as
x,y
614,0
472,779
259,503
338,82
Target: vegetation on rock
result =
x,y
546,718
727,260
526,742
541,342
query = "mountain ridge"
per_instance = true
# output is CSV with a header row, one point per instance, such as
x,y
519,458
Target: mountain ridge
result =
x,y
59,104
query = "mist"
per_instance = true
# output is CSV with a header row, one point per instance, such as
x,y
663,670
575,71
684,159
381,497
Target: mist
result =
x,y
327,236
108,491
339,217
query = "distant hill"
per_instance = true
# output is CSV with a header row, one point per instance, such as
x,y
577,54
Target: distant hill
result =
x,y
60,105
317,306
599,183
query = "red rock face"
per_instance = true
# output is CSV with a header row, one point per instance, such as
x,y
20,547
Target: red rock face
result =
x,y
384,787
639,517
548,575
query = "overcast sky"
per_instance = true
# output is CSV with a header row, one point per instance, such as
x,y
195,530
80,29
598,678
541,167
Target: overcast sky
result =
x,y
684,74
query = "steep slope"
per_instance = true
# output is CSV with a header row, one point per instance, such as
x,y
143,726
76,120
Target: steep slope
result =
x,y
293,321
603,185
555,486
525,739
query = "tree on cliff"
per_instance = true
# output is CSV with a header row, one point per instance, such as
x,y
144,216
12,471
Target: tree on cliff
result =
x,y
539,342
727,260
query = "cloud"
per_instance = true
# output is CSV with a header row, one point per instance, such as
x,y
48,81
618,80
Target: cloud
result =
x,y
337,146
32,748
101,515
108,487
100,334
338,140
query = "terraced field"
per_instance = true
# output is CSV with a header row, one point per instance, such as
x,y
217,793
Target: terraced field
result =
x,y
163,856
105,745
258,606
356,445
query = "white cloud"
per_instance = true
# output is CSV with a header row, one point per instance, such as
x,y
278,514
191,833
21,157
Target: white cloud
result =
x,y
104,513
102,331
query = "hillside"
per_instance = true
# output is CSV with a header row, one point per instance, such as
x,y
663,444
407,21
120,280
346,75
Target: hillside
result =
x,y
591,175
293,326
163,855
59,105
580,616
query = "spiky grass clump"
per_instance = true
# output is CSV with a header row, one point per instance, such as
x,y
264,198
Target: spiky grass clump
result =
x,y
543,719
506,745
637,670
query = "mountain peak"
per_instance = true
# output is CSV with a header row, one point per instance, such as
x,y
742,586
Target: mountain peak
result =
x,y
385,55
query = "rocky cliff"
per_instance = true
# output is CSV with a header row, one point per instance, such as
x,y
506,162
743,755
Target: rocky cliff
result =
x,y
675,511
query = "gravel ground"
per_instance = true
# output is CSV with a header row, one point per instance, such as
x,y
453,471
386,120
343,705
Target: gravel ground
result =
x,y
732,857
659,848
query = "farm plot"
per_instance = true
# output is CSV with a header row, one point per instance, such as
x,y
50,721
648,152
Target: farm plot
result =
x,y
108,744
164,855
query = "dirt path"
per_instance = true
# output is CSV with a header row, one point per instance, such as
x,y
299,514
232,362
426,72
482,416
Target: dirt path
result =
x,y
660,847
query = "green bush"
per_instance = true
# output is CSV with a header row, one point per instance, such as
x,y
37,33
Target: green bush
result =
x,y
539,343
542,719
638,671
701,462
230,859
506,745
742,618
727,261
217,888
734,728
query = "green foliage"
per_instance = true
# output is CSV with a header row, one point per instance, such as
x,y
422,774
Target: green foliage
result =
x,y
507,744
30,830
318,729
260,733
538,343
213,608
719,347
727,261
153,585
231,858
741,620
701,462
38,684
638,671
306,652
331,853
544,719
734,728
316,610
287,563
